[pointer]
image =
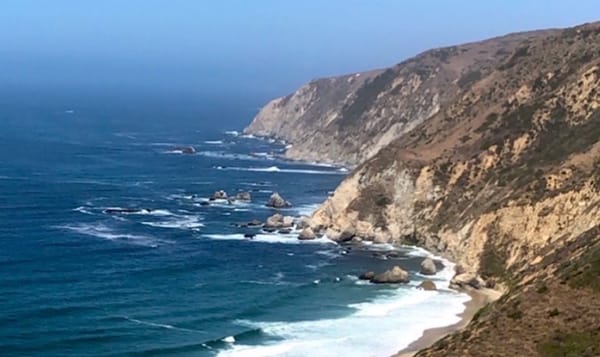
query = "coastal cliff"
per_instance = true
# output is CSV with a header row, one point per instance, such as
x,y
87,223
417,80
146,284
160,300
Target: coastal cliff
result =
x,y
486,153
347,119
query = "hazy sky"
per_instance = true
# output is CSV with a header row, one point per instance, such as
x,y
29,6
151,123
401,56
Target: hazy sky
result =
x,y
262,46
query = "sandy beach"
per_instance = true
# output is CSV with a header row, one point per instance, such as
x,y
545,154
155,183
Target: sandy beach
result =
x,y
479,298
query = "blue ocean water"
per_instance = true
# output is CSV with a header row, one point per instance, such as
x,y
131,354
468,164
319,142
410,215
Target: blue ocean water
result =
x,y
177,277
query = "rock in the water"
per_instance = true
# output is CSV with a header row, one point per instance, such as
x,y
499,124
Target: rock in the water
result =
x,y
356,240
254,223
269,229
367,275
249,235
276,201
346,235
285,231
243,196
428,267
393,254
275,221
427,285
219,195
307,234
123,210
392,276
204,203
303,222
185,149
288,221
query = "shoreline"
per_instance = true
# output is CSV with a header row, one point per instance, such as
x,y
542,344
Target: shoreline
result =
x,y
479,298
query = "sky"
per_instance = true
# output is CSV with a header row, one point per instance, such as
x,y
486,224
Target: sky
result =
x,y
261,47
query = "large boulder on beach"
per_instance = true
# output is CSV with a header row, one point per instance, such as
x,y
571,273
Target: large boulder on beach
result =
x,y
392,276
367,275
219,195
307,234
276,201
427,285
243,196
466,280
428,267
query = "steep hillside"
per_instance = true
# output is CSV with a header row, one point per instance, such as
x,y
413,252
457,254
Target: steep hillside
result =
x,y
348,119
505,180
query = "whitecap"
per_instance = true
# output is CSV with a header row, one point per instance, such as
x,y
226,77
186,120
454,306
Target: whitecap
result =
x,y
102,231
158,325
269,238
213,142
179,222
83,210
229,339
279,170
232,132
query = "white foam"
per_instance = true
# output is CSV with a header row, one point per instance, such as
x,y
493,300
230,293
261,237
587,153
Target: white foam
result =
x,y
158,325
213,142
179,222
232,132
101,231
229,339
379,327
140,212
307,210
226,155
270,238
277,169
83,209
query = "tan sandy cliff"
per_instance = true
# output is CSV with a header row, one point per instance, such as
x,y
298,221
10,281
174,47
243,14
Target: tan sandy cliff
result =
x,y
486,153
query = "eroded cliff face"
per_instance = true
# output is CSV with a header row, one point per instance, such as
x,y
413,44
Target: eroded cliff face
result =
x,y
348,119
486,153
505,180
508,167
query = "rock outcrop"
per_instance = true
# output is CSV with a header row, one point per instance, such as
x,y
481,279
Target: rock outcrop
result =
x,y
395,275
485,153
307,234
243,196
219,195
279,221
428,267
276,201
427,285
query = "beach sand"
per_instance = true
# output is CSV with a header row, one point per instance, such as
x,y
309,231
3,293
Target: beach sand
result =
x,y
479,298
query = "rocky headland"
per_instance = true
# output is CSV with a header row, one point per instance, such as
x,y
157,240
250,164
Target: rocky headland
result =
x,y
486,153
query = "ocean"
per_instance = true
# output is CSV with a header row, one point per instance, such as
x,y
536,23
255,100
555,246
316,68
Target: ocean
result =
x,y
174,276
